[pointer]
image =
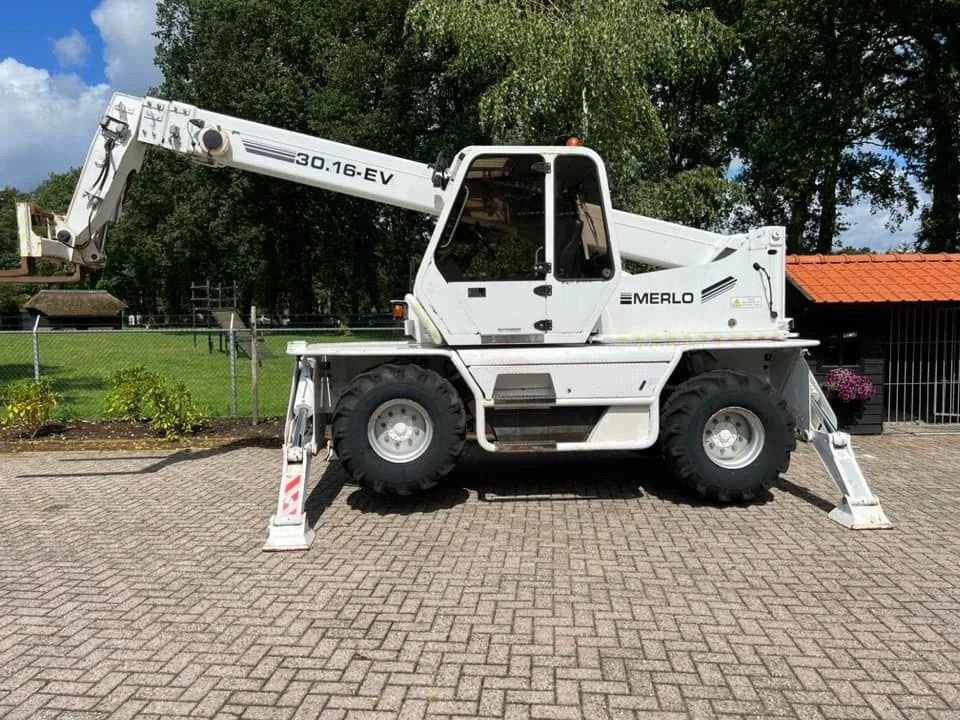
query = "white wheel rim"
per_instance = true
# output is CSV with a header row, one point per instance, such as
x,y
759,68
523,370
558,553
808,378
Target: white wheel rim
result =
x,y
400,430
733,437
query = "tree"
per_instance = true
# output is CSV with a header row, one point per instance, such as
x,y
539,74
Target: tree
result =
x,y
11,296
630,76
9,245
56,192
919,107
803,117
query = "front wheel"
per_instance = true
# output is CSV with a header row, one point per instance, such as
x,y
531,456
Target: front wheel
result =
x,y
399,429
727,435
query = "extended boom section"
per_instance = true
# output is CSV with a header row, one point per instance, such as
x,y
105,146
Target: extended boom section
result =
x,y
79,237
133,124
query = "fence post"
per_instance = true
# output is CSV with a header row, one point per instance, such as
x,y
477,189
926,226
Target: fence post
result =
x,y
254,366
36,350
233,367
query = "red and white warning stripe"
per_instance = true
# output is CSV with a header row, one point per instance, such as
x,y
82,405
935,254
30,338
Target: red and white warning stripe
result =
x,y
292,493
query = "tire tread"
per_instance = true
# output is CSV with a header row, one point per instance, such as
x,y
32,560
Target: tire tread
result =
x,y
675,435
454,416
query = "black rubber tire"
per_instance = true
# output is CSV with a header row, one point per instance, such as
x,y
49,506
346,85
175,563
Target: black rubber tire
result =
x,y
365,394
682,422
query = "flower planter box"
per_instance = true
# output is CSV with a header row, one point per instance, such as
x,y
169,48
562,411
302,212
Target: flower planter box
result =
x,y
850,395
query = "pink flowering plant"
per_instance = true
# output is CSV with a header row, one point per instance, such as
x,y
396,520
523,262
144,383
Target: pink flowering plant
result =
x,y
846,386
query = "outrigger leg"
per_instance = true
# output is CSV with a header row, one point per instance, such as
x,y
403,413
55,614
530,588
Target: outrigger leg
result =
x,y
302,433
859,508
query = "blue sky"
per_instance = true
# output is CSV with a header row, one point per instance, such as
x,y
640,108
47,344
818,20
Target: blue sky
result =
x,y
60,60
865,228
30,30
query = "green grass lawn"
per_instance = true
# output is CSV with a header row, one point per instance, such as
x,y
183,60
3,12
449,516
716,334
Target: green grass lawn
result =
x,y
79,364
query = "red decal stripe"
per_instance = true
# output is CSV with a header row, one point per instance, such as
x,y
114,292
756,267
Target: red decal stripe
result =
x,y
292,484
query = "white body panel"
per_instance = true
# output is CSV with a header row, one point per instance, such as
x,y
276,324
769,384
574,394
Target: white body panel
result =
x,y
505,310
594,354
601,384
622,425
588,353
708,289
724,299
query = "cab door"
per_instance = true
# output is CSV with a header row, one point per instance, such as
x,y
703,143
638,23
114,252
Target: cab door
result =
x,y
583,264
487,275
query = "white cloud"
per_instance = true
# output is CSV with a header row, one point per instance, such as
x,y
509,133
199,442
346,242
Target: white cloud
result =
x,y
127,27
47,123
72,49
49,119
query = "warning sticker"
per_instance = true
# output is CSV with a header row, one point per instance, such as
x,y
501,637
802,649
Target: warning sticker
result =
x,y
746,303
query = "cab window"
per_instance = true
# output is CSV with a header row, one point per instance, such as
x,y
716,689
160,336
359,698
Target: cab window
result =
x,y
496,228
581,249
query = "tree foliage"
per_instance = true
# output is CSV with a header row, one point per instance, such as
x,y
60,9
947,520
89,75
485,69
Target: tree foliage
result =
x,y
56,192
918,101
616,72
803,117
9,246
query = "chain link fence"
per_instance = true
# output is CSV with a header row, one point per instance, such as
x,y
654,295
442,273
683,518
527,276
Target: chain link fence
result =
x,y
80,362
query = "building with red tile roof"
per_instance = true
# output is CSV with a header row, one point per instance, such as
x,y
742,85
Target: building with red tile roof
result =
x,y
893,318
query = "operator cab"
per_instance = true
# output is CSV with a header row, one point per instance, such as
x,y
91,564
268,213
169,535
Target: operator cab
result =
x,y
522,253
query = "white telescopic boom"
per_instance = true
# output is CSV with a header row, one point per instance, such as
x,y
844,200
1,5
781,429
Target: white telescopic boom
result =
x,y
131,124
232,142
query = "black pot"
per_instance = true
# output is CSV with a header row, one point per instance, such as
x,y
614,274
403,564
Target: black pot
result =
x,y
848,413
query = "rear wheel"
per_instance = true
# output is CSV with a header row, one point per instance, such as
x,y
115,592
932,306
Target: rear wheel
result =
x,y
727,435
399,429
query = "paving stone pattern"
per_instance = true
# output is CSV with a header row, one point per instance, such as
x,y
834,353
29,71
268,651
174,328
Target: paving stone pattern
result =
x,y
133,585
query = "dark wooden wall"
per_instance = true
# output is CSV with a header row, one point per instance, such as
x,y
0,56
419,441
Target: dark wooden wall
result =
x,y
865,354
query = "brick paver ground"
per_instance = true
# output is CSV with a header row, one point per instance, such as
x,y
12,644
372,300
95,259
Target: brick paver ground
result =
x,y
134,585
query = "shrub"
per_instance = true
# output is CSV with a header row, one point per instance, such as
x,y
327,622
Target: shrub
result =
x,y
173,410
846,386
129,391
28,404
140,394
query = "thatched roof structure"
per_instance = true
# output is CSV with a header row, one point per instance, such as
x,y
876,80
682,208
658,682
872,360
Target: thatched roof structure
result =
x,y
75,303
